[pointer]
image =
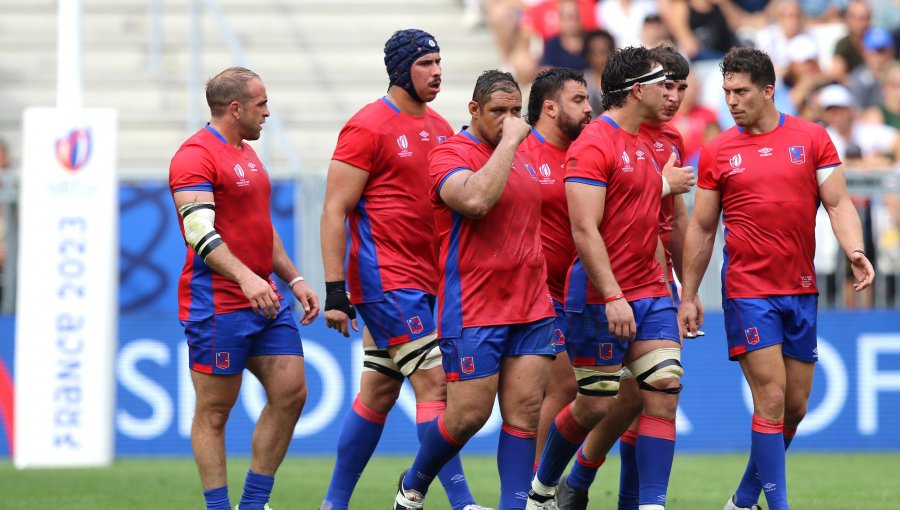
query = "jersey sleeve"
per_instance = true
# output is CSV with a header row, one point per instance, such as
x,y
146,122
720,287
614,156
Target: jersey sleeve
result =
x,y
588,164
444,161
192,168
356,146
707,175
826,154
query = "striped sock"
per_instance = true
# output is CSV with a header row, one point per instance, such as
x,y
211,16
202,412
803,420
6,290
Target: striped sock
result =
x,y
563,439
583,471
451,475
654,451
358,438
629,481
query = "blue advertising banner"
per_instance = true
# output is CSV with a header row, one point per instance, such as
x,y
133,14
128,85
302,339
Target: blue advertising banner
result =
x,y
855,403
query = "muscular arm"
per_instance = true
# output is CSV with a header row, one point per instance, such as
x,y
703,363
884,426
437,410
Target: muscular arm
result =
x,y
473,194
699,239
343,189
257,290
284,268
586,207
676,242
846,225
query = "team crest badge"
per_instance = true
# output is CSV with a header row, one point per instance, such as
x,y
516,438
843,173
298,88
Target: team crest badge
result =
x,y
223,360
74,149
415,325
467,364
752,336
798,154
606,351
560,338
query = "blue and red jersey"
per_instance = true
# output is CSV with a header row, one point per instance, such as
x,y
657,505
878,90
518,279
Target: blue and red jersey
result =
x,y
492,270
608,156
769,195
392,241
665,140
241,190
556,231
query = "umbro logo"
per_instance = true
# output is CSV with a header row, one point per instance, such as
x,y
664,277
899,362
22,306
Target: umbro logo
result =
x,y
424,135
658,146
765,151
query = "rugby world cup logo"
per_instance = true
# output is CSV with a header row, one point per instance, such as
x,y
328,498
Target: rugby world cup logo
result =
x,y
545,170
735,161
402,142
74,149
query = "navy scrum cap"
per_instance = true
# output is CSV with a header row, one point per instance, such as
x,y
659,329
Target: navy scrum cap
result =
x,y
401,50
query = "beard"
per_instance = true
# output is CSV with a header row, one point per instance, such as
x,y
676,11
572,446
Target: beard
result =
x,y
569,126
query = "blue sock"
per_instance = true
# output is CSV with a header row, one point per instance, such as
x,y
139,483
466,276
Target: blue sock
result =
x,y
359,436
563,439
515,457
257,489
629,481
654,451
747,493
217,499
452,476
583,471
436,448
767,451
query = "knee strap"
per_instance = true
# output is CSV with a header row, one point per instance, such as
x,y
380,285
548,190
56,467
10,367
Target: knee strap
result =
x,y
597,384
422,353
378,360
657,365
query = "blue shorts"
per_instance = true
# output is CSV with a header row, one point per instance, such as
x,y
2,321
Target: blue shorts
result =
x,y
559,324
480,350
755,323
403,316
590,343
222,343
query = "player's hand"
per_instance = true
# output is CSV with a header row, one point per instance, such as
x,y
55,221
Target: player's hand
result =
x,y
308,300
261,295
863,272
680,178
620,318
689,319
338,309
514,129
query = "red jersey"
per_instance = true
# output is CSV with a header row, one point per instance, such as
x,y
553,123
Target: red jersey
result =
x,y
769,196
605,155
664,140
556,231
392,242
492,269
241,190
543,18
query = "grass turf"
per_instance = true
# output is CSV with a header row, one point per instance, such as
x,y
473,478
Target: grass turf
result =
x,y
850,481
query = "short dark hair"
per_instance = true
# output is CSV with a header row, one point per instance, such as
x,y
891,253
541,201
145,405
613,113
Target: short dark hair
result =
x,y
491,81
549,85
676,66
623,64
751,61
227,86
597,34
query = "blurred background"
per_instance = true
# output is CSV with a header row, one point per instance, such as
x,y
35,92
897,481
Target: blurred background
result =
x,y
322,60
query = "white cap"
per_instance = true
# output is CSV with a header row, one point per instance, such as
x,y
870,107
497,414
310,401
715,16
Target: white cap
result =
x,y
803,47
835,95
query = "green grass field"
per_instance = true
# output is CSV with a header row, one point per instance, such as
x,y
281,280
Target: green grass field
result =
x,y
817,482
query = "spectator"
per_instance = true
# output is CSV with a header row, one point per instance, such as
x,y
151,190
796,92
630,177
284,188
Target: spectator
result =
x,y
703,29
888,112
823,11
503,19
774,38
864,82
598,45
625,18
861,145
541,21
848,50
566,48
654,32
803,74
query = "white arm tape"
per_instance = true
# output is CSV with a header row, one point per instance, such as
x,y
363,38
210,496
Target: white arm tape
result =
x,y
666,189
198,219
823,174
